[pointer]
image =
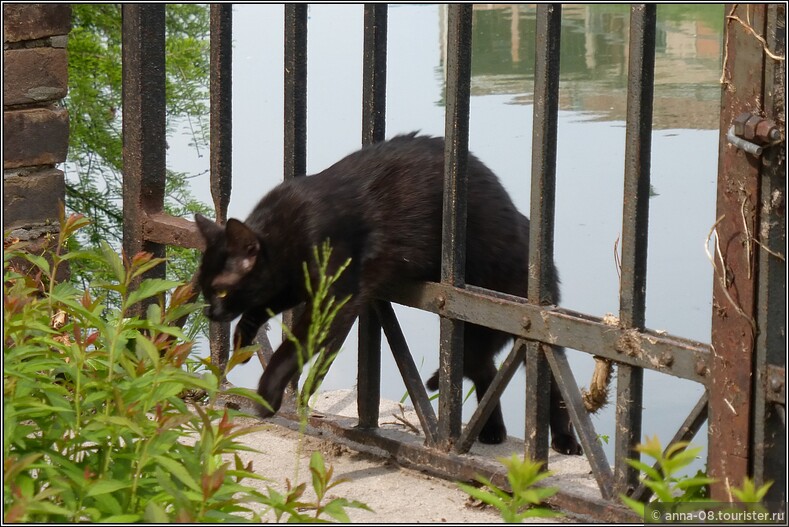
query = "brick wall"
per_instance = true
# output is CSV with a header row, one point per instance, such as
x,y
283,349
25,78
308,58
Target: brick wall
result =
x,y
35,123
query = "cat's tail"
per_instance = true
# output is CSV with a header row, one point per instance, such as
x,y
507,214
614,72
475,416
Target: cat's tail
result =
x,y
432,382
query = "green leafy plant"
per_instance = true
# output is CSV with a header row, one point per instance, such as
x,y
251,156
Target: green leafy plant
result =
x,y
315,356
669,487
290,503
323,309
94,425
525,499
665,482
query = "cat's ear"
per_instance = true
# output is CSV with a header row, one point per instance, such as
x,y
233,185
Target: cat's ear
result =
x,y
210,230
242,243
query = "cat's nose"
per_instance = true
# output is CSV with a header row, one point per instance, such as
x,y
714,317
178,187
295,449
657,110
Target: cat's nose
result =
x,y
215,313
218,314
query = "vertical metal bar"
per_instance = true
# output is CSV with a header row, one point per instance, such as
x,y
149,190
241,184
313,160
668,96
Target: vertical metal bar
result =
x,y
735,276
635,219
543,198
769,433
374,73
221,107
295,90
373,130
453,250
221,20
144,128
295,151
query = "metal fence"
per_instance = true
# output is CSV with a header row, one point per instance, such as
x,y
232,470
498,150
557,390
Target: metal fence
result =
x,y
744,378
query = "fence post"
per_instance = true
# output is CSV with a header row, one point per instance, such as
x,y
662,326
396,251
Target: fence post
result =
x,y
453,252
144,129
768,461
221,98
373,130
543,205
734,328
635,220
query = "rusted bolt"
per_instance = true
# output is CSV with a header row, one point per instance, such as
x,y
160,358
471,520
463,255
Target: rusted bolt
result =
x,y
776,383
701,368
739,123
767,131
441,301
666,360
750,127
526,322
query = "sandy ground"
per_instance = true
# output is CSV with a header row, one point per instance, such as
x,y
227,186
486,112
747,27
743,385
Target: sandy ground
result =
x,y
394,493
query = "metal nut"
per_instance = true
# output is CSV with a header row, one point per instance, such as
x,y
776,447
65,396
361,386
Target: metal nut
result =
x,y
767,131
739,123
441,301
750,127
666,359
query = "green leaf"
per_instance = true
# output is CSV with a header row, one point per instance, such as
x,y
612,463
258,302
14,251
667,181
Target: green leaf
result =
x,y
121,518
114,260
645,469
483,496
38,261
336,509
635,506
123,422
149,288
104,486
154,513
144,344
179,471
48,508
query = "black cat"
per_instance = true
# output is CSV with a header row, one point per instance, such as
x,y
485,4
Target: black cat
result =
x,y
381,207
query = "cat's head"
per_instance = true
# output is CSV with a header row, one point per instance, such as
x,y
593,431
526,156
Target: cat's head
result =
x,y
228,276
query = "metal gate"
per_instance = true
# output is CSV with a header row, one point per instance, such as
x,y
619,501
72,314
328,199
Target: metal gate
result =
x,y
743,369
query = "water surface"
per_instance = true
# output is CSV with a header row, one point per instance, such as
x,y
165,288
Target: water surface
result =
x,y
590,162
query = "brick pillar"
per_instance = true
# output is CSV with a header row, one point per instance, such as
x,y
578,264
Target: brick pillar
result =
x,y
35,123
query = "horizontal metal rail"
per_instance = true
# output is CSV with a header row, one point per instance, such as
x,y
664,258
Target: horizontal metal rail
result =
x,y
652,350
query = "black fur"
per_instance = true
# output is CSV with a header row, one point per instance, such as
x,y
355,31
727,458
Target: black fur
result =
x,y
381,207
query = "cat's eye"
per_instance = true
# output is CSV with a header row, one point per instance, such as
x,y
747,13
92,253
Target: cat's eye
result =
x,y
222,293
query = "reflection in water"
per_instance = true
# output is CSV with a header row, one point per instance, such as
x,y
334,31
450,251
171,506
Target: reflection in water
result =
x,y
589,158
594,56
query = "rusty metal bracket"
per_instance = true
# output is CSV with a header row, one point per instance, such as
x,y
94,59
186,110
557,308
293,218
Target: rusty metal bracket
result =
x,y
753,133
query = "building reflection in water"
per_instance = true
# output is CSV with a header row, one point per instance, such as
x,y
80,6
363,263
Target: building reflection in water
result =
x,y
594,56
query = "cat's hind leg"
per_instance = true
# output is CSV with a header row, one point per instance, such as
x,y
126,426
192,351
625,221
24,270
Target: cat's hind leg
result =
x,y
480,347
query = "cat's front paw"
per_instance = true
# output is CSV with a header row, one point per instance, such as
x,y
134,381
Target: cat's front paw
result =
x,y
566,444
493,434
263,411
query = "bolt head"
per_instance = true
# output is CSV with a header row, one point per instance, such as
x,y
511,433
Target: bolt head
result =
x,y
750,127
739,123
